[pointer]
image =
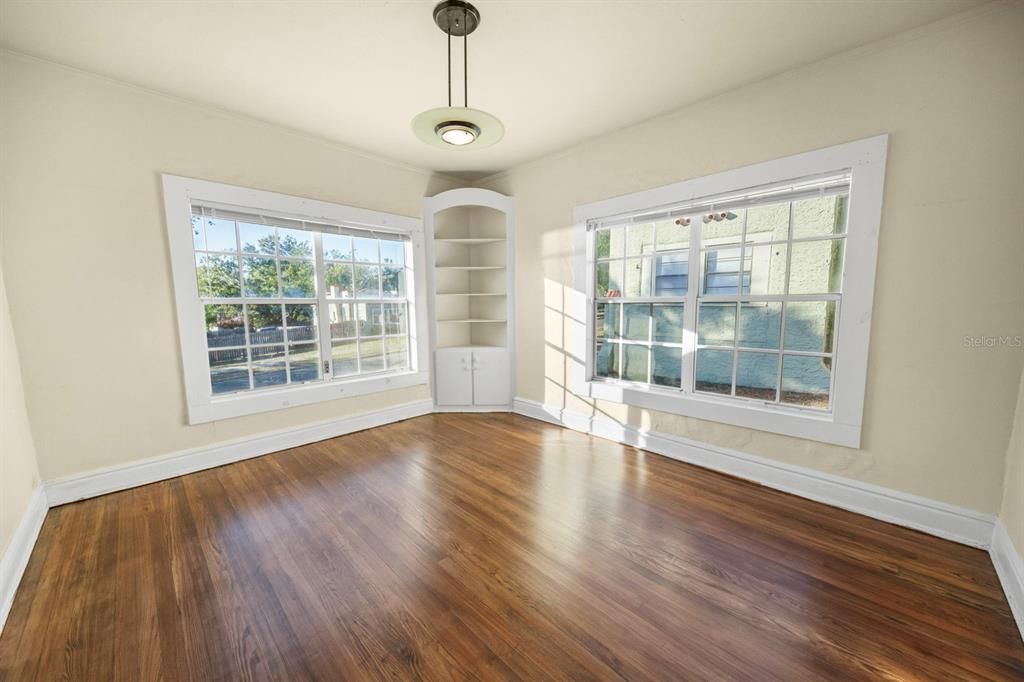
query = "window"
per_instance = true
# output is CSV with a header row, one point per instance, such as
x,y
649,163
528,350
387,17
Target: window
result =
x,y
288,308
753,337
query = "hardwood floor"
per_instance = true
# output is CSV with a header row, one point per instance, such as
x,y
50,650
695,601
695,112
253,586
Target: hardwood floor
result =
x,y
493,547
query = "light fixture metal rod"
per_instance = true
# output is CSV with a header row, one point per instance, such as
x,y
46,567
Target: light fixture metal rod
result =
x,y
465,62
449,32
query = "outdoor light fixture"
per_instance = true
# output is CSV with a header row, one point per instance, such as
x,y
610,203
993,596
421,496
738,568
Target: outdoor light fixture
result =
x,y
457,127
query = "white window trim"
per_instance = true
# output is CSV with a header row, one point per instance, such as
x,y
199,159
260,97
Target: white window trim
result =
x,y
865,160
179,193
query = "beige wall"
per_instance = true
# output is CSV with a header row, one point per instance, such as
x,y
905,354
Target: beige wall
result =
x,y
87,262
1012,512
937,414
19,475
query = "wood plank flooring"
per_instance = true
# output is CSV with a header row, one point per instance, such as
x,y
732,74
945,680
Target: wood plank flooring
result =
x,y
455,547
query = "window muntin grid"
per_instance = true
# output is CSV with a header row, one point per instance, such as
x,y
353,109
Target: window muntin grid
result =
x,y
261,287
734,341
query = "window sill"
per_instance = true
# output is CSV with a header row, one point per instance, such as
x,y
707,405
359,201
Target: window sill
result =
x,y
241,404
818,426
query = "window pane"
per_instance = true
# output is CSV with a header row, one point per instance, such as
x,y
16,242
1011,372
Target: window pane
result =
x,y
198,234
668,323
367,281
606,360
220,235
301,322
636,321
729,227
257,238
639,240
371,356
229,370
393,282
392,252
365,250
768,223
638,277
617,241
343,356
609,279
819,216
722,271
602,243
394,319
717,324
304,362
805,381
816,267
714,371
343,325
268,366
217,276
767,269
225,326
370,318
671,237
634,363
397,349
668,366
337,247
671,274
265,324
810,325
297,279
757,375
297,243
760,324
338,280
606,320
260,277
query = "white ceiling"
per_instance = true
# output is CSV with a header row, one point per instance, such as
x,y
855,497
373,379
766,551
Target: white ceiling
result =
x,y
357,72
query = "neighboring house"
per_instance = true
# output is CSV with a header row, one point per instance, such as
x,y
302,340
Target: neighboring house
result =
x,y
816,267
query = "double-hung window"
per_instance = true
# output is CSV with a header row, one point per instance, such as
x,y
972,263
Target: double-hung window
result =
x,y
727,297
284,301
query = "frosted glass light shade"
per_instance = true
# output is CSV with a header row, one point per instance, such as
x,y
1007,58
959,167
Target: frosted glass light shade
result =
x,y
457,124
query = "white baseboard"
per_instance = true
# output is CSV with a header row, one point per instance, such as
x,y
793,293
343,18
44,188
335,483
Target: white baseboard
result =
x,y
1010,569
15,557
929,516
111,479
472,408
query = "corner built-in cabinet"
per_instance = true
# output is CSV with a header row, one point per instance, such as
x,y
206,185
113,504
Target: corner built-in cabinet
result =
x,y
470,246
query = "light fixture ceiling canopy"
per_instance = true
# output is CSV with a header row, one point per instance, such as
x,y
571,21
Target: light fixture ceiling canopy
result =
x,y
456,17
450,127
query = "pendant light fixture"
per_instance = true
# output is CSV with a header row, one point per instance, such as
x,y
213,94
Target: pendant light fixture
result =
x,y
457,127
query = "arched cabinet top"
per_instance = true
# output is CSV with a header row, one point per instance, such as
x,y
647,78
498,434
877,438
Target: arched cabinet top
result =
x,y
468,196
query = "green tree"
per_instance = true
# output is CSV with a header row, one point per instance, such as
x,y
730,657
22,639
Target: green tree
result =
x,y
218,276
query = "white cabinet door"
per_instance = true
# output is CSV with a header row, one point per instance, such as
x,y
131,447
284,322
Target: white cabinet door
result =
x,y
491,377
454,381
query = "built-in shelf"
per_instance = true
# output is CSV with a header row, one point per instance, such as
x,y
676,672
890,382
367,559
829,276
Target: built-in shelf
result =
x,y
469,320
469,240
470,267
470,247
